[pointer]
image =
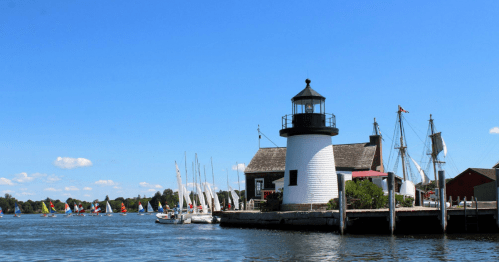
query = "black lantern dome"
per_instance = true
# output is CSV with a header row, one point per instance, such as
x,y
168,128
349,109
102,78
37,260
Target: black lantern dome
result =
x,y
309,115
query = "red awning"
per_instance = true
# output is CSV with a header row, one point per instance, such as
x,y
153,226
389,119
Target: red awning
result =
x,y
369,173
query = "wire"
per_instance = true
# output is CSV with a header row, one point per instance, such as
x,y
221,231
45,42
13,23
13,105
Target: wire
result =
x,y
267,137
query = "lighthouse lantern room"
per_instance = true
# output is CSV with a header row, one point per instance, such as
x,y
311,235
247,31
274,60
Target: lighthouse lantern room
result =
x,y
310,173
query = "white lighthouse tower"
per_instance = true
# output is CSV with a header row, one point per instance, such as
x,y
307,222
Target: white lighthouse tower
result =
x,y
310,173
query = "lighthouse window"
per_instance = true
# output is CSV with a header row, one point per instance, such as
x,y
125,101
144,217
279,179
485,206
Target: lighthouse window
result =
x,y
293,177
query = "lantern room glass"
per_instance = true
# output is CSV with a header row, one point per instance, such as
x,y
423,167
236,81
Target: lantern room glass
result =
x,y
309,106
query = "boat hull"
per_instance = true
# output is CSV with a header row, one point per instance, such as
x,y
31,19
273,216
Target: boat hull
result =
x,y
123,214
173,221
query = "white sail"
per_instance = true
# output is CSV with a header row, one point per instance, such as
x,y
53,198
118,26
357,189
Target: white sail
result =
x,y
201,199
408,189
235,198
108,208
180,189
214,195
149,207
424,179
445,147
186,196
208,194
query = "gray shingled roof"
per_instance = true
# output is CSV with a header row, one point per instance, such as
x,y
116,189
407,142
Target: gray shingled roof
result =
x,y
357,156
496,165
268,160
488,172
348,156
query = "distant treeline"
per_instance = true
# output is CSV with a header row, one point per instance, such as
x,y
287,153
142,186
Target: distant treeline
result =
x,y
168,197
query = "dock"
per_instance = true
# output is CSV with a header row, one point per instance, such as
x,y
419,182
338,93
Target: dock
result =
x,y
479,217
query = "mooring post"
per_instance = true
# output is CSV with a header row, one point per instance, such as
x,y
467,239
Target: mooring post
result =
x,y
443,207
342,202
391,201
465,215
497,196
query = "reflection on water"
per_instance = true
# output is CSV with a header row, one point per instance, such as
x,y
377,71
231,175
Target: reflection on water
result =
x,y
135,237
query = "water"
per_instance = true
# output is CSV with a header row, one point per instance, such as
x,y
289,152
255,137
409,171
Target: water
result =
x,y
134,237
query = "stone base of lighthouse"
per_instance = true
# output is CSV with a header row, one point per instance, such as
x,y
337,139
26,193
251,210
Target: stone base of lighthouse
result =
x,y
313,159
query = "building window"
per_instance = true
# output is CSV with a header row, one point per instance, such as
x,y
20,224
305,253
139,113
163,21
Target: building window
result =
x,y
258,186
293,177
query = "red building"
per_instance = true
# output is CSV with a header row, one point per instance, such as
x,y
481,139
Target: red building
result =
x,y
463,184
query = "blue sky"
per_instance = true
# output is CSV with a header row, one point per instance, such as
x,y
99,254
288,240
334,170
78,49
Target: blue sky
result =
x,y
130,86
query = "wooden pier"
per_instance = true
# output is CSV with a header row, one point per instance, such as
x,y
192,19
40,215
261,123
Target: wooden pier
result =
x,y
480,217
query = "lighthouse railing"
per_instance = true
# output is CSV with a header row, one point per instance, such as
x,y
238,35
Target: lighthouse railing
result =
x,y
329,120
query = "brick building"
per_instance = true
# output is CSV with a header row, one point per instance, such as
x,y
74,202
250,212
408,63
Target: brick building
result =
x,y
463,184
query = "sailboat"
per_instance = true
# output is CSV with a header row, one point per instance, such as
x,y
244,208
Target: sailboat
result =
x,y
141,209
109,210
97,209
92,209
149,208
1,212
52,210
67,210
123,210
17,211
170,217
76,210
160,208
81,210
45,210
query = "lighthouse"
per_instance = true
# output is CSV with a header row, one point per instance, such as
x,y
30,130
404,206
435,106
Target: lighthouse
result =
x,y
310,173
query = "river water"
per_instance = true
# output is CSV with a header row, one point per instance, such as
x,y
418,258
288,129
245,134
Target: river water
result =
x,y
133,237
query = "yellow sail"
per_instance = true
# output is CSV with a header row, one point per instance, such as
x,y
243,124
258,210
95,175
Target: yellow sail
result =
x,y
44,208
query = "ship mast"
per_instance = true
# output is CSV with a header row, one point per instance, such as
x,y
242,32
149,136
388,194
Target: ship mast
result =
x,y
402,148
433,152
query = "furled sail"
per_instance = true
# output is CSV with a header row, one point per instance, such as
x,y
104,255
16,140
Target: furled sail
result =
x,y
214,195
438,143
208,194
180,189
186,196
445,147
424,178
201,199
235,198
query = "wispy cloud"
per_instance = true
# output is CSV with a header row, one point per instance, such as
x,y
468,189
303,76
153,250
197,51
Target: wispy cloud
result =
x,y
51,189
116,187
87,188
145,184
53,178
27,193
7,192
23,178
105,183
70,163
494,130
86,195
71,188
241,167
151,190
6,182
240,182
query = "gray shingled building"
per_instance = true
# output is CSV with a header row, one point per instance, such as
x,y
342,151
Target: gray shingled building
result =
x,y
268,164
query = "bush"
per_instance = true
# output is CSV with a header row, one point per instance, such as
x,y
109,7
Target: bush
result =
x,y
364,194
333,204
399,199
272,203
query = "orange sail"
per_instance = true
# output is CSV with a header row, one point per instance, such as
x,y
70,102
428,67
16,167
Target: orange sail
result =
x,y
123,208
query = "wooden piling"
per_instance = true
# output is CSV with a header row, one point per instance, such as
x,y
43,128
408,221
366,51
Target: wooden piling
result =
x,y
443,207
342,202
391,201
497,196
465,215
